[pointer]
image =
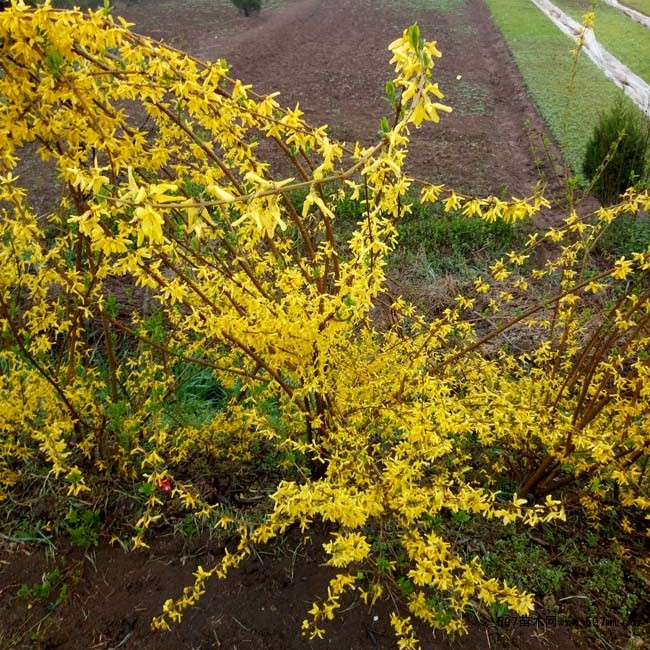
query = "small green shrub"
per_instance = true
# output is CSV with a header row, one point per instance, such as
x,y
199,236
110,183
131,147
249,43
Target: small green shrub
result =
x,y
618,152
82,526
248,6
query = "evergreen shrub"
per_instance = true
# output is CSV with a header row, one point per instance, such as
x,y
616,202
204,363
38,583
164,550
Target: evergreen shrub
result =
x,y
248,6
618,152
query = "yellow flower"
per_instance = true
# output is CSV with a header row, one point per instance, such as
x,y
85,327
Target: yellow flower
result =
x,y
622,268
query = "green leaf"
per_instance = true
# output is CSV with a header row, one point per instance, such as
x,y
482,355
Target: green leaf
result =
x,y
54,61
460,517
406,586
414,37
146,489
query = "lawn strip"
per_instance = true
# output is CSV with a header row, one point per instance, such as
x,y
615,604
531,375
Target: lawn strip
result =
x,y
569,104
640,5
621,36
628,11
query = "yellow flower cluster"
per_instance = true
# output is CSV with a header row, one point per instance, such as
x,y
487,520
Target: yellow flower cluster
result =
x,y
173,249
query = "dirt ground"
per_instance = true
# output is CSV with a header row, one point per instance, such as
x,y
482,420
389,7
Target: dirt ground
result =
x,y
331,57
113,595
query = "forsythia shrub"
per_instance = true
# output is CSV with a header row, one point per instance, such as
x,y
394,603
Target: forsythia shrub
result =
x,y
176,244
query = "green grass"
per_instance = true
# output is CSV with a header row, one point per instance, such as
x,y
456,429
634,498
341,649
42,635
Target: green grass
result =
x,y
449,242
640,5
571,99
444,242
621,36
198,398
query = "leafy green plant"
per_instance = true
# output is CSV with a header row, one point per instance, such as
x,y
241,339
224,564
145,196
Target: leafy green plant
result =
x,y
53,587
618,154
82,526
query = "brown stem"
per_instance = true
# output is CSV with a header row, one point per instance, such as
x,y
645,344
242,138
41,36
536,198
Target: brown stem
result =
x,y
30,357
108,339
571,478
537,477
211,155
596,343
256,357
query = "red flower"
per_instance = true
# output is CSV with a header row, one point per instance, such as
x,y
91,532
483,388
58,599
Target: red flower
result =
x,y
165,485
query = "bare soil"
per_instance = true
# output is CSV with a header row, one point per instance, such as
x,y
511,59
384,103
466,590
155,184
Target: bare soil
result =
x,y
331,57
113,595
